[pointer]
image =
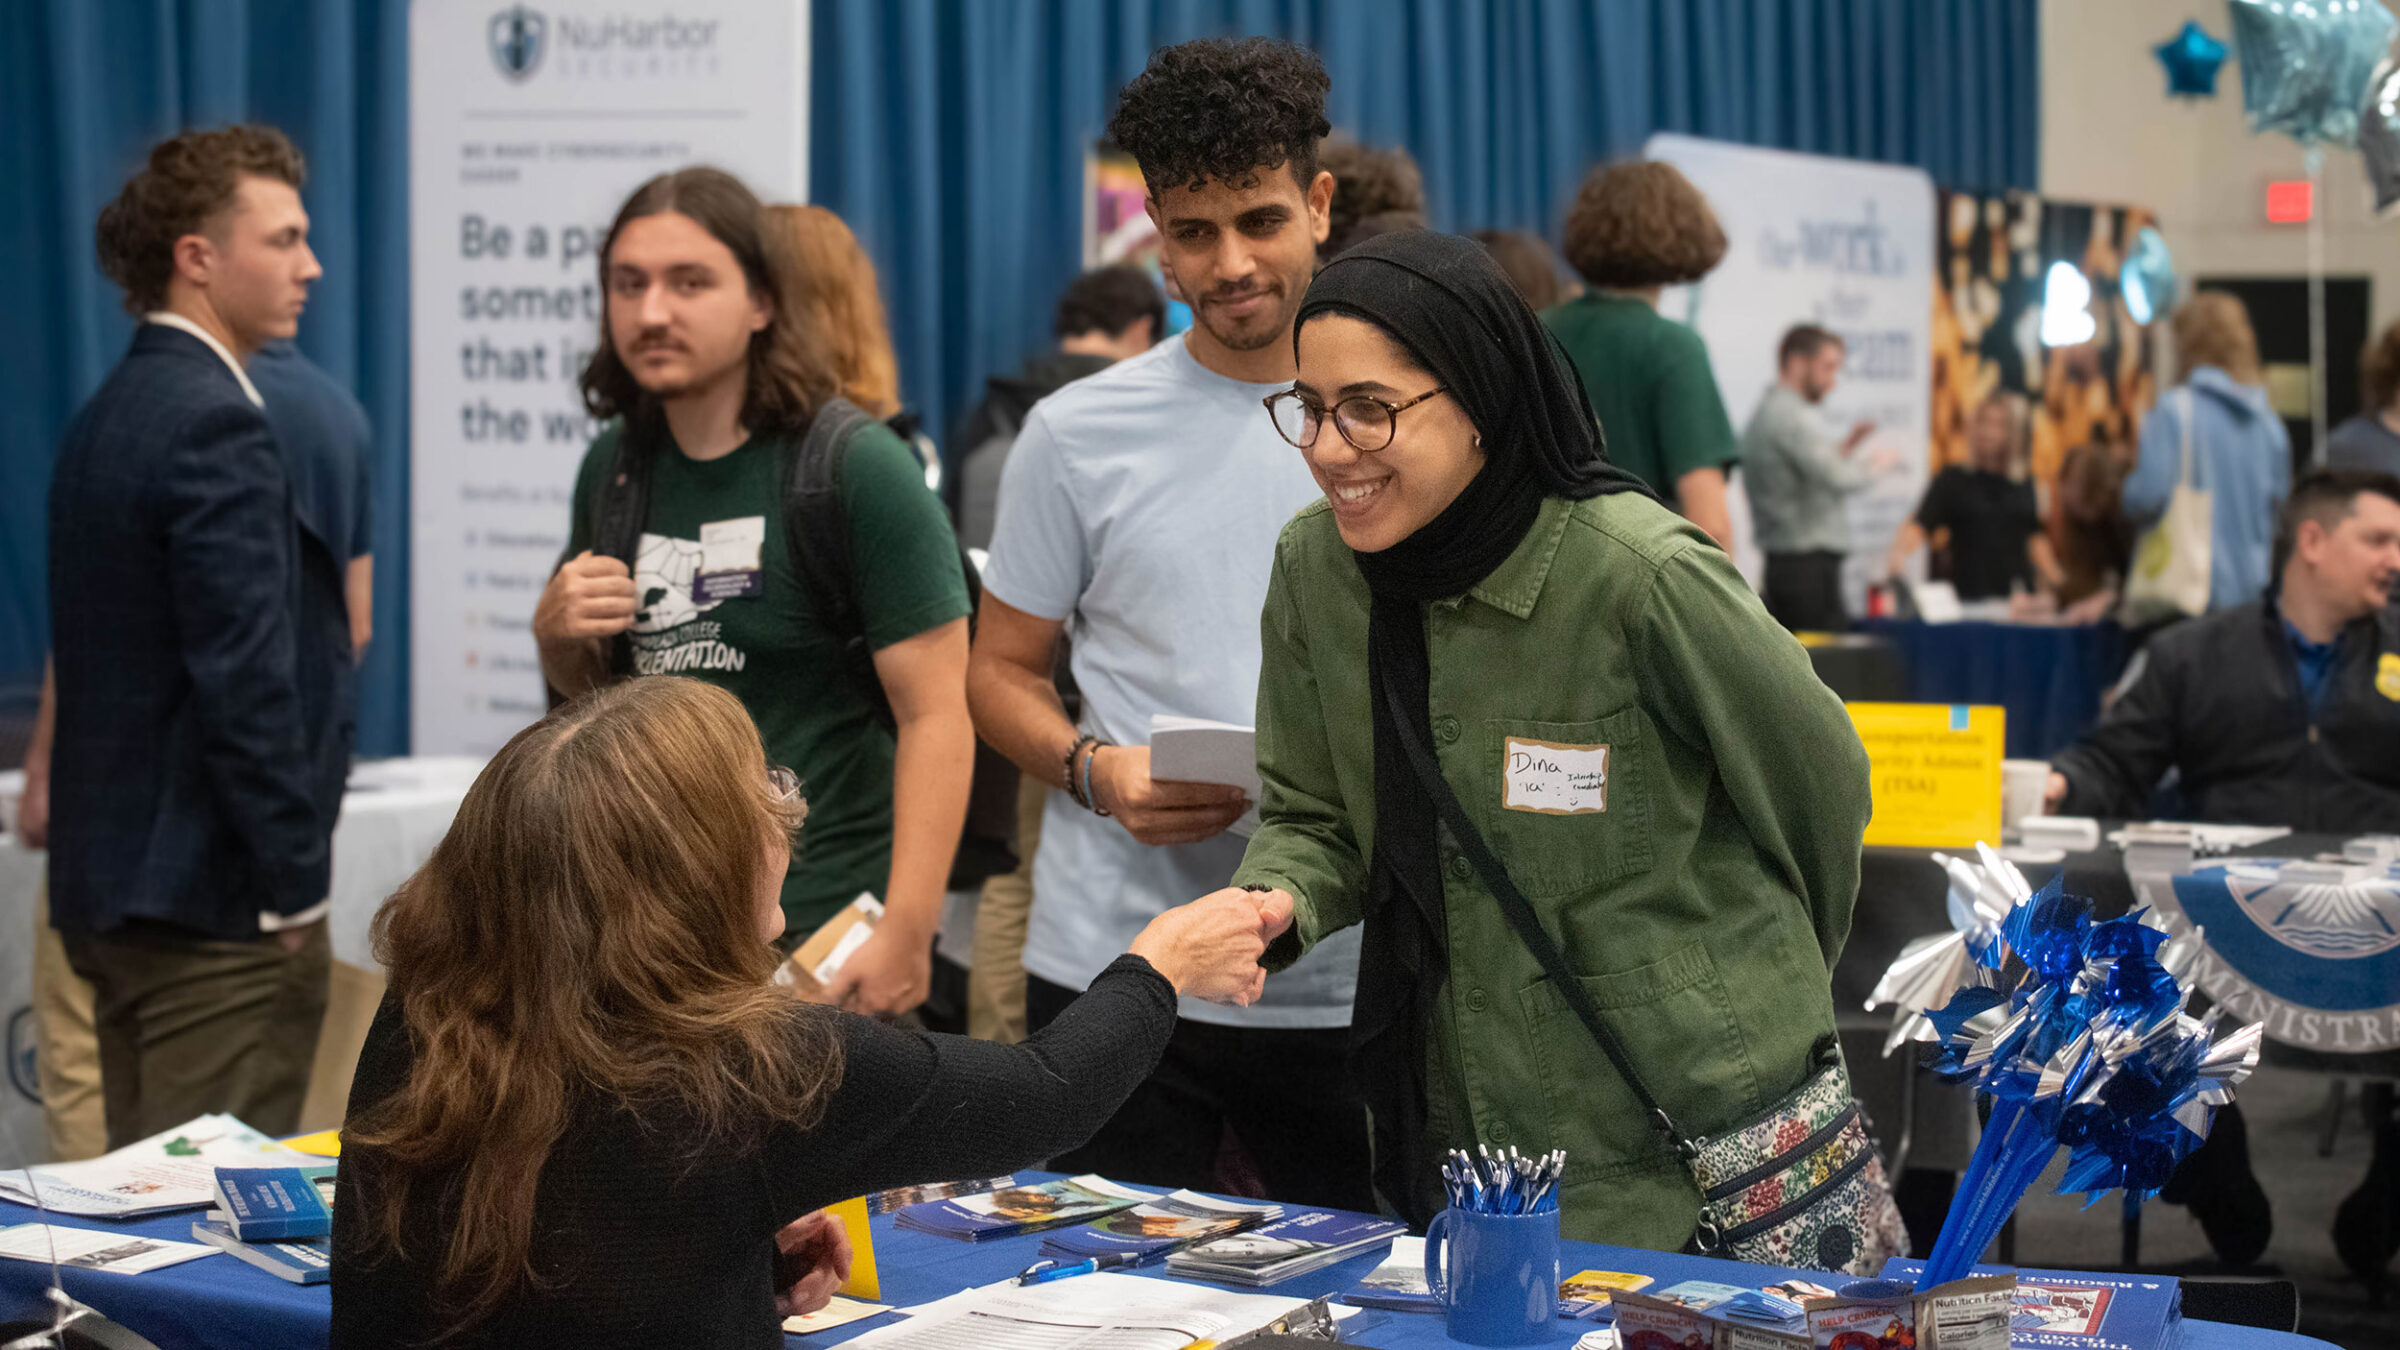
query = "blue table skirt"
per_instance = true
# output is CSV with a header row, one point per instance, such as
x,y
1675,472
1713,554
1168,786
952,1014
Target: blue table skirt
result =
x,y
218,1303
2049,679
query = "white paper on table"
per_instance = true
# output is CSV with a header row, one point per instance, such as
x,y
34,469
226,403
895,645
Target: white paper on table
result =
x,y
175,1169
90,1249
841,1312
1106,1311
1196,750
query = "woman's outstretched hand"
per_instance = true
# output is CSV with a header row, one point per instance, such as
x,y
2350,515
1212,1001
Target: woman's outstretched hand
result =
x,y
1210,948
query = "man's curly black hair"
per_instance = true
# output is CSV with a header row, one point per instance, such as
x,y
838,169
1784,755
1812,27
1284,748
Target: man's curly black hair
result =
x,y
1222,110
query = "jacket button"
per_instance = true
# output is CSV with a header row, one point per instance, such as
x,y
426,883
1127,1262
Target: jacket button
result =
x,y
1460,868
1499,1131
1474,1000
1445,729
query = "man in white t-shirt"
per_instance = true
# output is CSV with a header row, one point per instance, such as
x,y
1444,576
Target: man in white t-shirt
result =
x,y
1138,514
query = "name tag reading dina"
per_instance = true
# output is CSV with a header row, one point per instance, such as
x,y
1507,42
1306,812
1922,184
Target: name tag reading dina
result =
x,y
1554,780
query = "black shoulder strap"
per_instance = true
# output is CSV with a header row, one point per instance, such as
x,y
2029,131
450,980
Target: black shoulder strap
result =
x,y
1521,915
815,525
618,513
816,528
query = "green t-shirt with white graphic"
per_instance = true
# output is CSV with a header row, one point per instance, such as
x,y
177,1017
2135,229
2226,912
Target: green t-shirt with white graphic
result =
x,y
769,650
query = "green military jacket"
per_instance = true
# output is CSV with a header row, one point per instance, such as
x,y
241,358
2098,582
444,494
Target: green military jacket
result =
x,y
1698,874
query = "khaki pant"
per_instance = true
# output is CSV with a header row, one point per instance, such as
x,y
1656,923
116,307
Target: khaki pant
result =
x,y
189,1025
66,1048
996,980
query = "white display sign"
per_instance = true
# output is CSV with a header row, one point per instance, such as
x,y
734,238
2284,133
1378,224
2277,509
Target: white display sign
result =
x,y
1844,244
528,126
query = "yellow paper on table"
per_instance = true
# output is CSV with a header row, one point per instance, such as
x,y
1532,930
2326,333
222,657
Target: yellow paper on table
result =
x,y
863,1282
322,1144
1934,770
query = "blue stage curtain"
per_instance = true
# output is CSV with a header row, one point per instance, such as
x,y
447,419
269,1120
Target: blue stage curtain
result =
x,y
952,134
89,85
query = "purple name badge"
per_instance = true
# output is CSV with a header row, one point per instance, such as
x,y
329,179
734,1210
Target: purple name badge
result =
x,y
710,587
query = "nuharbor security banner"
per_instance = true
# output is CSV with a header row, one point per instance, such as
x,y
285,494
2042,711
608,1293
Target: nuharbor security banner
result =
x,y
528,125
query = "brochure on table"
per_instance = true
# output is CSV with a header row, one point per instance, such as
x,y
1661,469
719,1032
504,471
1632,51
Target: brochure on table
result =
x,y
173,1170
1105,1311
92,1249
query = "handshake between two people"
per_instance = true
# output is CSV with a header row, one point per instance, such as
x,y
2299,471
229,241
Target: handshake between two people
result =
x,y
1211,947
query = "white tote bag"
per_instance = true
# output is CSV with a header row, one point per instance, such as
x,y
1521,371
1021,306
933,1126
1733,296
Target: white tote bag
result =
x,y
2170,564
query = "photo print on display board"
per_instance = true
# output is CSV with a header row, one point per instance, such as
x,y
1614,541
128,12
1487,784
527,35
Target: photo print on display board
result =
x,y
1997,273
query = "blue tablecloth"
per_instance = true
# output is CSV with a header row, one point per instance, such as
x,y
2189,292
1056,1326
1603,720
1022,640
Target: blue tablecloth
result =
x,y
2049,679
218,1303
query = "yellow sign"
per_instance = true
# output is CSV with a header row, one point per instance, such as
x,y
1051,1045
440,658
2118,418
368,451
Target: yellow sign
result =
x,y
1935,770
863,1281
324,1143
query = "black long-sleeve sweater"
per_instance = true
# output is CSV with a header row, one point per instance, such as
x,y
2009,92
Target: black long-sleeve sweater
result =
x,y
642,1243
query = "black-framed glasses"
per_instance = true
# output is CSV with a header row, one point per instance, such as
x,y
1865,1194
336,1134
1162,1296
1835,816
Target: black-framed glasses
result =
x,y
1363,420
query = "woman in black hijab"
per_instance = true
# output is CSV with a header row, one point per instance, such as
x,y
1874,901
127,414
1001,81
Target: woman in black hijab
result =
x,y
1486,630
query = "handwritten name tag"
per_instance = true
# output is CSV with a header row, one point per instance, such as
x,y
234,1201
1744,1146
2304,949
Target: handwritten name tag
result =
x,y
1555,780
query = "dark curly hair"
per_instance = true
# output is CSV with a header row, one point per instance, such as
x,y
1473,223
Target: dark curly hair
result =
x,y
1222,110
1642,223
1528,263
1110,300
1370,184
186,181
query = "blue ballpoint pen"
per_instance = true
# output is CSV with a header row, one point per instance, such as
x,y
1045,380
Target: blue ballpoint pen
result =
x,y
1043,1272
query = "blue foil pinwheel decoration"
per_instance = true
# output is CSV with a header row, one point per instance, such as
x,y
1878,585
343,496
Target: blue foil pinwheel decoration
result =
x,y
2307,64
2077,1031
2191,58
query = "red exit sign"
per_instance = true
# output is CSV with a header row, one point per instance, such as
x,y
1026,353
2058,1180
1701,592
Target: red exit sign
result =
x,y
2291,203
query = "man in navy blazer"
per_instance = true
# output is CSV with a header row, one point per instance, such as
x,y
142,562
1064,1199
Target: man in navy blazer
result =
x,y
198,642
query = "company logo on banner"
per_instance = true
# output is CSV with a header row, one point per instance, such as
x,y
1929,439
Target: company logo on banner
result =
x,y
1843,244
517,40
2310,949
516,165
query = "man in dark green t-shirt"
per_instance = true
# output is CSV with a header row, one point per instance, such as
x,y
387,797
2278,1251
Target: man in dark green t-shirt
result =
x,y
698,357
1635,229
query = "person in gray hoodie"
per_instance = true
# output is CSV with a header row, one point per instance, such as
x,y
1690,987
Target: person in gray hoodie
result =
x,y
2244,456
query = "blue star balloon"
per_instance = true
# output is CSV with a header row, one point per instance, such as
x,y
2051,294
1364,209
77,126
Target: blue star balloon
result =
x,y
2307,64
2191,58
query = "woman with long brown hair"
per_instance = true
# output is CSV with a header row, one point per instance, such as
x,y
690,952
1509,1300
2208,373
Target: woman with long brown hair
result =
x,y
585,1116
832,289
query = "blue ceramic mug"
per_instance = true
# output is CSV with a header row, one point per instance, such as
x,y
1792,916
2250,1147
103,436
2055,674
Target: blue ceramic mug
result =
x,y
1499,1285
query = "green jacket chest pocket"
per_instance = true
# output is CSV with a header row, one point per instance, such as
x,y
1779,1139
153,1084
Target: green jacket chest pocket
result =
x,y
1566,804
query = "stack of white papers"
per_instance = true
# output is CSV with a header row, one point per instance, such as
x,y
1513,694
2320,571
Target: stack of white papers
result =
x,y
1089,1312
89,1249
165,1172
1196,750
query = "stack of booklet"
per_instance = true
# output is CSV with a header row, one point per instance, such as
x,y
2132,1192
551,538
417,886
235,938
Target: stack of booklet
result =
x,y
1286,1248
300,1260
1150,1230
279,1219
1021,1209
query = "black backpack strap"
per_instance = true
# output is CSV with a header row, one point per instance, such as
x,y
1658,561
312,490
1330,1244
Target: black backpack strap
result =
x,y
816,528
1521,915
619,510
